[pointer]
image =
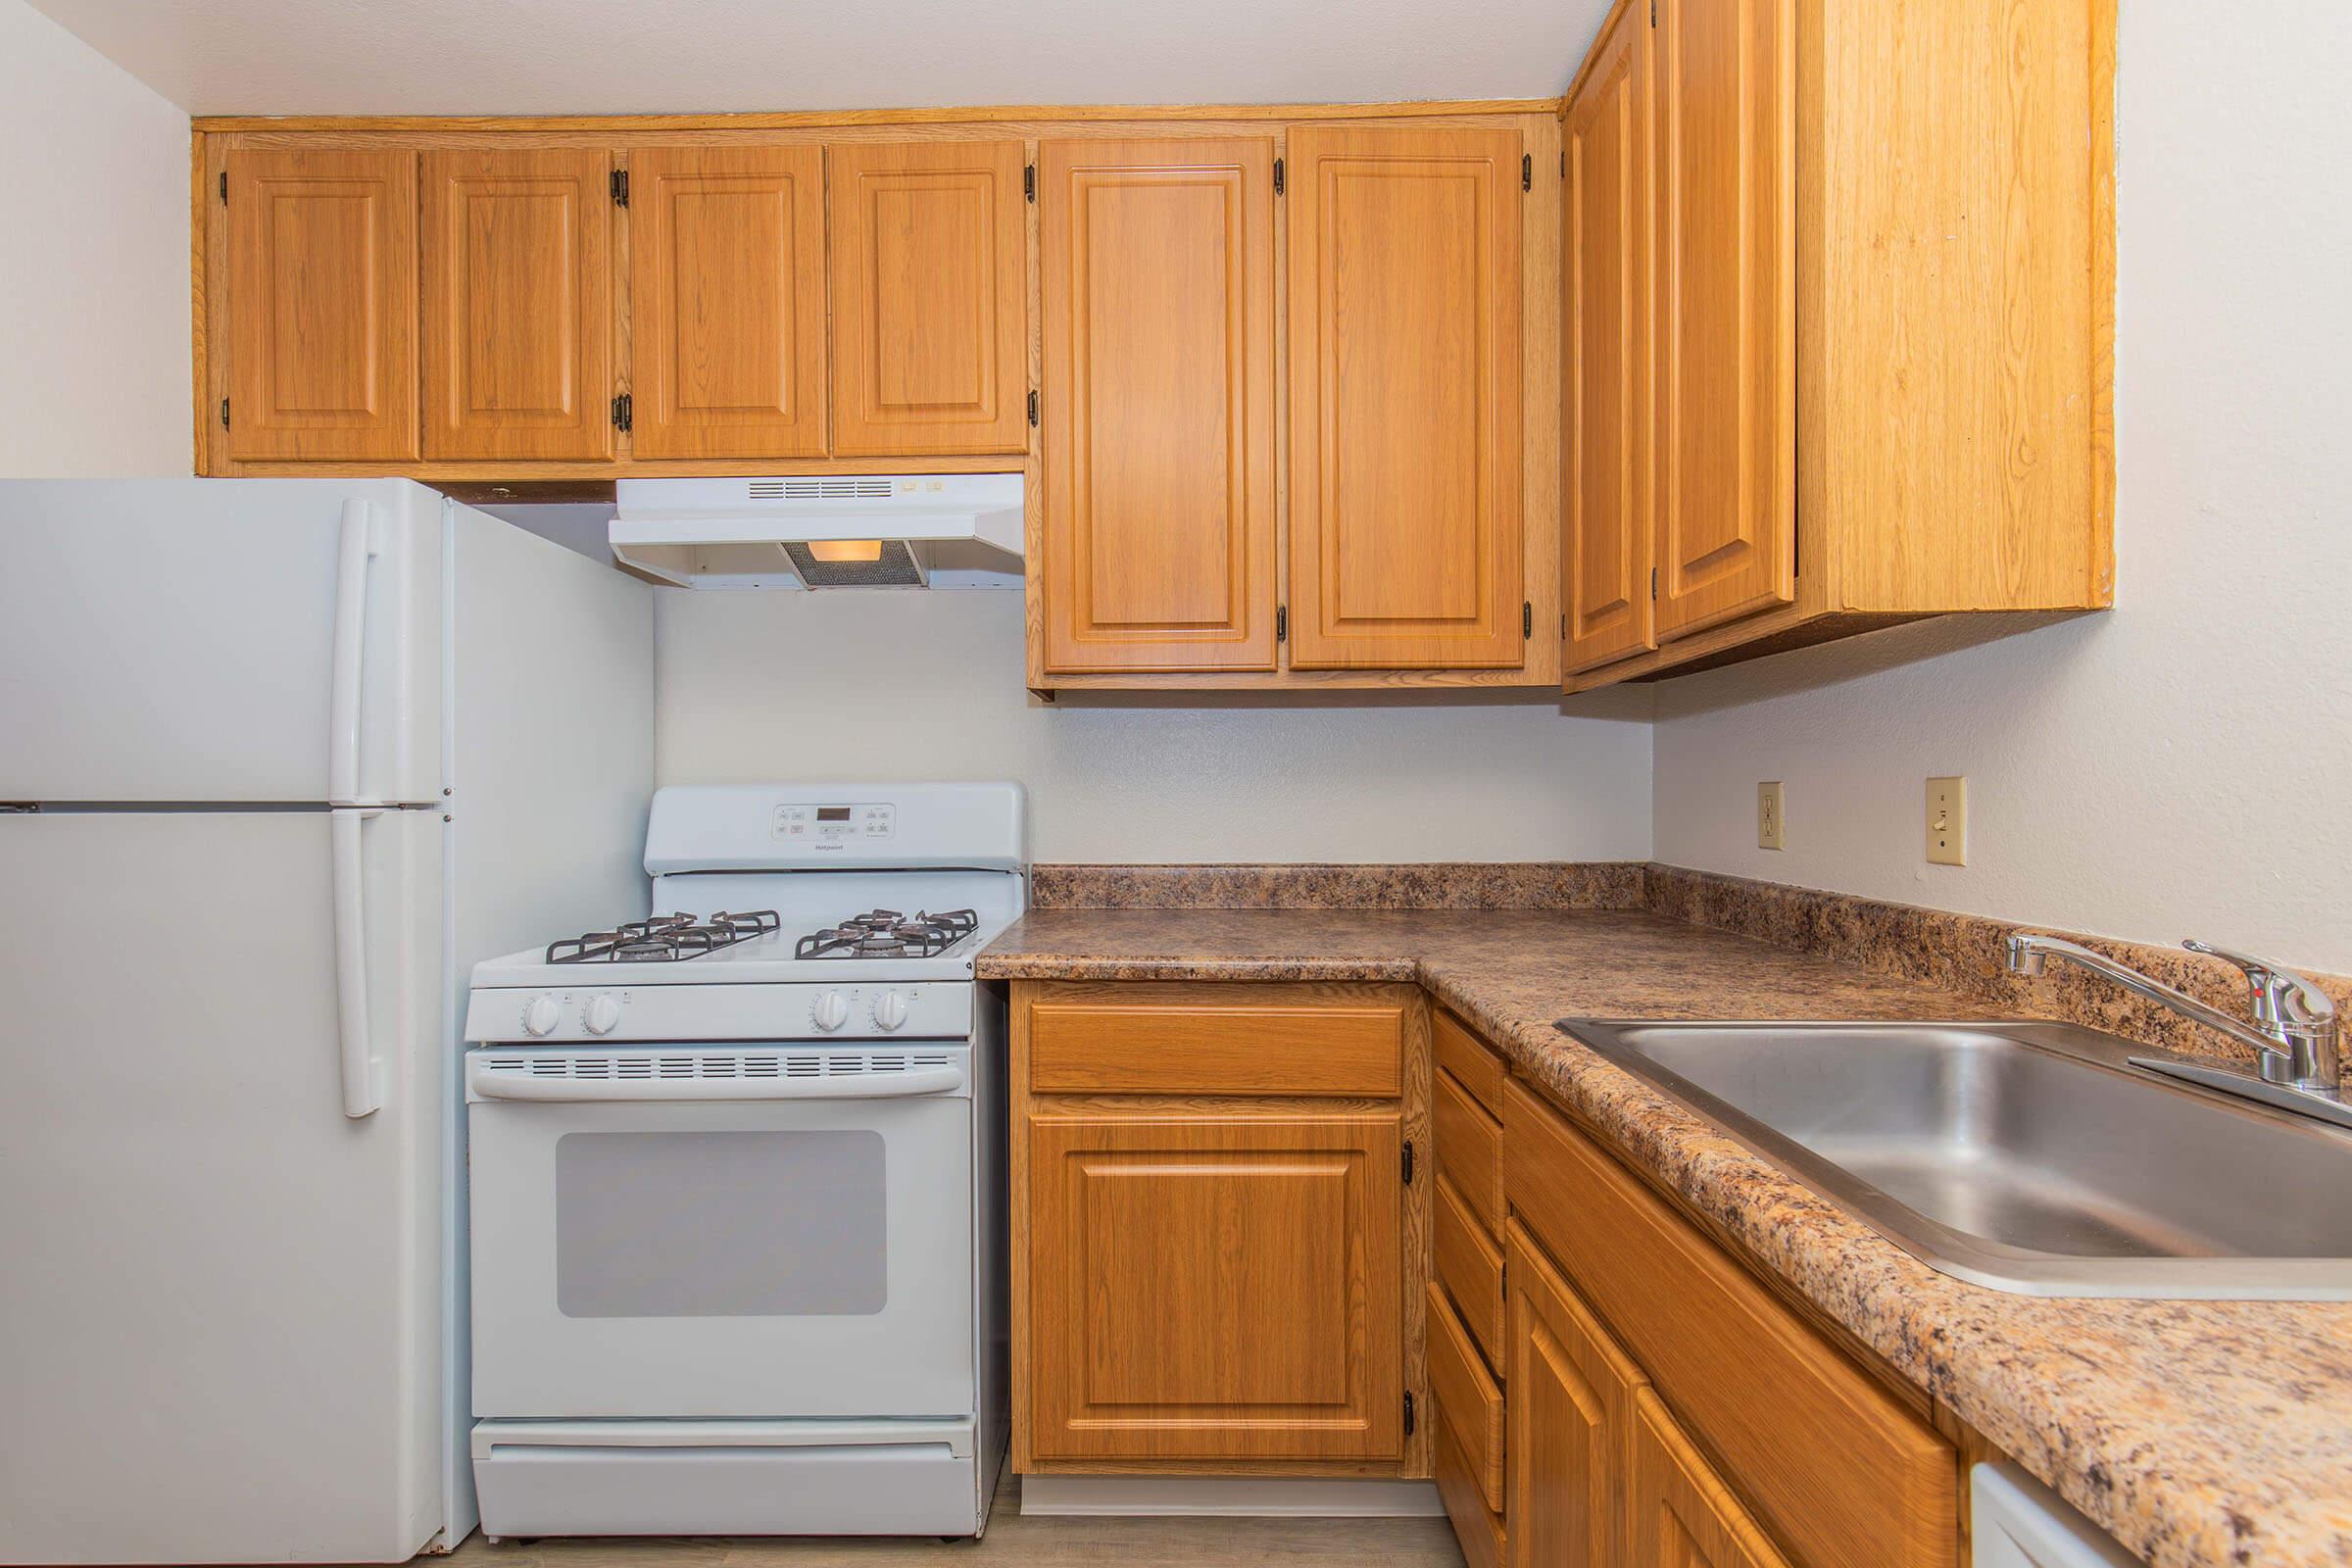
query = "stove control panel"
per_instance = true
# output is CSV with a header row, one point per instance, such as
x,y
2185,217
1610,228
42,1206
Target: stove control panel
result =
x,y
912,1009
833,824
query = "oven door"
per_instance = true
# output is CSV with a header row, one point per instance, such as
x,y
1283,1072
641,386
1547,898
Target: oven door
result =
x,y
708,1231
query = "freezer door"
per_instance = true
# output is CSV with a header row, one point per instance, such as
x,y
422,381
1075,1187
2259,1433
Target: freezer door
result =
x,y
221,1291
177,640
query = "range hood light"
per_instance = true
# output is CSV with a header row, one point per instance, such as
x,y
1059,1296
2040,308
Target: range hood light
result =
x,y
842,551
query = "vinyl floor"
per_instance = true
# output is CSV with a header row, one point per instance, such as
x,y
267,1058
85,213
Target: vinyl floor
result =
x,y
1016,1539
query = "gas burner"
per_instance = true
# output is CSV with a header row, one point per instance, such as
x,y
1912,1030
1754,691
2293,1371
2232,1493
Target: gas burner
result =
x,y
663,939
889,934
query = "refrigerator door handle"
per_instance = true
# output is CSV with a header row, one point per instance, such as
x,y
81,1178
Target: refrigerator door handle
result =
x,y
363,1075
362,542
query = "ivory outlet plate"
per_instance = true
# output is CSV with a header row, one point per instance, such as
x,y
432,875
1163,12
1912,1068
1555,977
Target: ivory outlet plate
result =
x,y
1947,821
1771,817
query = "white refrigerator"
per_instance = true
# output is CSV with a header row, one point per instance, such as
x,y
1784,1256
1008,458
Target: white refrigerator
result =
x,y
279,761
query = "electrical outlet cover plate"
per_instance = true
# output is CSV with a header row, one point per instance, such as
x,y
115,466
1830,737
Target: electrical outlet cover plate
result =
x,y
1947,821
1771,816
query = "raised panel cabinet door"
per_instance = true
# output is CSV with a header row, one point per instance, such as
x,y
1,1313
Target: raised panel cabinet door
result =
x,y
1215,1287
518,304
727,302
1404,376
321,331
1680,1513
1726,290
1159,428
1570,1411
1605,411
930,245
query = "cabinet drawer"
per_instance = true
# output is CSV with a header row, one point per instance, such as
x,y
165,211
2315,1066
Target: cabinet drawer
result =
x,y
1468,1397
1469,1149
1475,1064
1469,1265
1832,1462
1103,1043
1478,1528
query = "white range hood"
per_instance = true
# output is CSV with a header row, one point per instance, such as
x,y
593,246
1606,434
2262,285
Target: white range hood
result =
x,y
931,530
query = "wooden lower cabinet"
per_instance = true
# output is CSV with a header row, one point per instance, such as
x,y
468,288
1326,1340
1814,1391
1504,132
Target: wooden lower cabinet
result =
x,y
1680,1514
1571,1401
1215,1287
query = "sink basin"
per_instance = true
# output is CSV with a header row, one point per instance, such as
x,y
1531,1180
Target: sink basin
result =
x,y
2030,1157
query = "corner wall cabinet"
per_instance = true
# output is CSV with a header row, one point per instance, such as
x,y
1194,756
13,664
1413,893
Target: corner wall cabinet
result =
x,y
1838,305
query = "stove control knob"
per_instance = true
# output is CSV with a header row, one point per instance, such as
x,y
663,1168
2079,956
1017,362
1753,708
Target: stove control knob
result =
x,y
602,1013
890,1011
540,1015
830,1012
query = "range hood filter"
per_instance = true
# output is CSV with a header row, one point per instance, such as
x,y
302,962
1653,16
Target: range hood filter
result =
x,y
895,568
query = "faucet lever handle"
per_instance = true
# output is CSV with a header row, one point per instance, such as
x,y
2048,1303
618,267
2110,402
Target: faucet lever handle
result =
x,y
2280,996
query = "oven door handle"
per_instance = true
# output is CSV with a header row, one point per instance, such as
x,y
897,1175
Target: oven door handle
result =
x,y
484,1081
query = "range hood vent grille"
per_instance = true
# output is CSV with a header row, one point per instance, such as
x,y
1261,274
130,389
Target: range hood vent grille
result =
x,y
865,488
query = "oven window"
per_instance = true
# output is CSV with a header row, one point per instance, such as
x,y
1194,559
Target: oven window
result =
x,y
721,1224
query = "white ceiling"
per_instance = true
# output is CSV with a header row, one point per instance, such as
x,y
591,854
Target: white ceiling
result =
x,y
529,57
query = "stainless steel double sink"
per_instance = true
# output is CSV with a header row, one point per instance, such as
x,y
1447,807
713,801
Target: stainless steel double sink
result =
x,y
2031,1157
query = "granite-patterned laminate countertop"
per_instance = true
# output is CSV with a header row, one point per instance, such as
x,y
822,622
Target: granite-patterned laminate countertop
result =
x,y
2202,1432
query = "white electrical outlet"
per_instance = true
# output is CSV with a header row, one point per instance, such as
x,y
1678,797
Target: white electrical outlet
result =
x,y
1771,825
1947,821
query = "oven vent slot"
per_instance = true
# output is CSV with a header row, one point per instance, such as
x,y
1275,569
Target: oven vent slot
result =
x,y
713,1067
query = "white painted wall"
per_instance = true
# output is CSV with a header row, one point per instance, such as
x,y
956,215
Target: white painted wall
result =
x,y
793,686
2182,766
94,337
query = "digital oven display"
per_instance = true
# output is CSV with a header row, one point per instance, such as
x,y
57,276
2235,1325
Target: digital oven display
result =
x,y
832,813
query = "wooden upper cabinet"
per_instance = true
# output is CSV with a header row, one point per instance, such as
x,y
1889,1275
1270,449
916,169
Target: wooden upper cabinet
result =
x,y
322,329
1725,289
727,300
1571,1412
1680,1514
1159,423
930,288
518,304
1606,413
1214,1287
1404,325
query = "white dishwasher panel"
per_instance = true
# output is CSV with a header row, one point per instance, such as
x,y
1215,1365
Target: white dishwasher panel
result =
x,y
2016,1522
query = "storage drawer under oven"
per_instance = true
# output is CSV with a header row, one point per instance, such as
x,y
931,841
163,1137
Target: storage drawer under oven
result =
x,y
721,1232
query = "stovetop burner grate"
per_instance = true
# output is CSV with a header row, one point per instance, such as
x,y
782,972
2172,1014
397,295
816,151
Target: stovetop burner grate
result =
x,y
889,934
663,939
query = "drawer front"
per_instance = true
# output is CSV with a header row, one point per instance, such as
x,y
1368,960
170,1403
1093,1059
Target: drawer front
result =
x,y
1832,1462
1469,1265
1475,1064
1478,1528
1102,1043
1469,1149
1468,1397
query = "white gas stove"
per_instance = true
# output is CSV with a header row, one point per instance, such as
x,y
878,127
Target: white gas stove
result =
x,y
737,1178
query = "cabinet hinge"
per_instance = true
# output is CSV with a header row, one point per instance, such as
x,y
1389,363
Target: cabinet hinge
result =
x,y
625,413
1408,1412
1563,625
1527,170
1653,13
1563,163
1408,1162
224,188
620,187
1029,182
1653,584
1278,176
1527,620
1282,623
225,414
1033,408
